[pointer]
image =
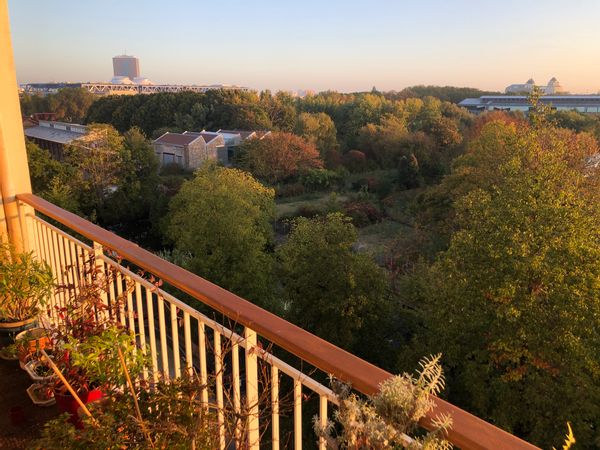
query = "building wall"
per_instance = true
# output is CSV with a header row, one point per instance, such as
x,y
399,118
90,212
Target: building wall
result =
x,y
126,66
169,154
199,151
197,154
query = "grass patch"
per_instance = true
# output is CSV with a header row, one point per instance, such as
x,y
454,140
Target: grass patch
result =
x,y
289,207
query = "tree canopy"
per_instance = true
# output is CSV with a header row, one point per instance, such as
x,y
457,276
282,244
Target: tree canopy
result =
x,y
221,219
279,156
515,300
328,288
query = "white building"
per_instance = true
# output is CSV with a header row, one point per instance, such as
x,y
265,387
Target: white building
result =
x,y
552,88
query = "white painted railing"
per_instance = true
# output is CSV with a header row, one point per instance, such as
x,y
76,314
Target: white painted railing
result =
x,y
177,337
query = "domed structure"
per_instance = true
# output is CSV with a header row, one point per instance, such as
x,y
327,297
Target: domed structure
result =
x,y
530,81
554,87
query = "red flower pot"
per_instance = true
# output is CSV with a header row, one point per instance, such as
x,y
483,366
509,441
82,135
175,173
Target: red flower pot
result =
x,y
67,403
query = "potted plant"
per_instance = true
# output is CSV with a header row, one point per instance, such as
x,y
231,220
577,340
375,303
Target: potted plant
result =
x,y
39,371
92,367
25,285
10,352
41,394
29,343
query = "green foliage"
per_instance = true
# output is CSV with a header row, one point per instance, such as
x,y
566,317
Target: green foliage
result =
x,y
173,416
444,93
328,289
97,356
321,179
69,104
42,167
97,162
512,301
319,129
222,217
137,202
388,418
25,284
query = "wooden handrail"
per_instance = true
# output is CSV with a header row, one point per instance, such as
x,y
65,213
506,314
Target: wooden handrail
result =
x,y
467,432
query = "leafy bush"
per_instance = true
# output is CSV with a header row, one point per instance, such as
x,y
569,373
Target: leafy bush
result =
x,y
173,416
290,190
363,213
25,284
320,179
355,161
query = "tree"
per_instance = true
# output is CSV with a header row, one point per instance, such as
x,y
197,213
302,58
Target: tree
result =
x,y
329,289
131,205
382,142
42,167
221,218
515,301
319,129
97,161
71,104
279,156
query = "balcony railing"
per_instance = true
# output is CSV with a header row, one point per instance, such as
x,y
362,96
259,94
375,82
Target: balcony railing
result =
x,y
180,338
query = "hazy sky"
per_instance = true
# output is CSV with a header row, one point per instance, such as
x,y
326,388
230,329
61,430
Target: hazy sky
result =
x,y
323,44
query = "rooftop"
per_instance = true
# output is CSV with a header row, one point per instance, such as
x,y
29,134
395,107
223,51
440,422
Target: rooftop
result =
x,y
177,139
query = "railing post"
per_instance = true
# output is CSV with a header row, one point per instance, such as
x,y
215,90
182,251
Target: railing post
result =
x,y
252,425
14,171
99,266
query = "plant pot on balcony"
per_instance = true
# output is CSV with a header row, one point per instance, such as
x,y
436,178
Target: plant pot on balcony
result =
x,y
26,285
67,403
8,330
30,342
41,395
39,372
9,353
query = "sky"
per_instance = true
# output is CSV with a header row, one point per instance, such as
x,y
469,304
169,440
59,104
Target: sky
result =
x,y
313,44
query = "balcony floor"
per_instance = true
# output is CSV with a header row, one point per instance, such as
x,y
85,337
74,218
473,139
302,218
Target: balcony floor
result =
x,y
15,402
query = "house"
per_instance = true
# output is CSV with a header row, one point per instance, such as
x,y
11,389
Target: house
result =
x,y
189,149
54,136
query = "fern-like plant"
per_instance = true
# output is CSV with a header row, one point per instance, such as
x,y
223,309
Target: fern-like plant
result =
x,y
389,418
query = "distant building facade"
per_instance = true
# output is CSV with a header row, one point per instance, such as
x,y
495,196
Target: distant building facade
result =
x,y
126,66
191,149
581,103
54,136
126,81
552,88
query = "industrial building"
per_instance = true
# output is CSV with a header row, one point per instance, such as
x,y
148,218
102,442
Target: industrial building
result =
x,y
580,103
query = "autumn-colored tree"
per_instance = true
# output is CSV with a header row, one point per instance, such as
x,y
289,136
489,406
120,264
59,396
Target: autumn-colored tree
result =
x,y
279,156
